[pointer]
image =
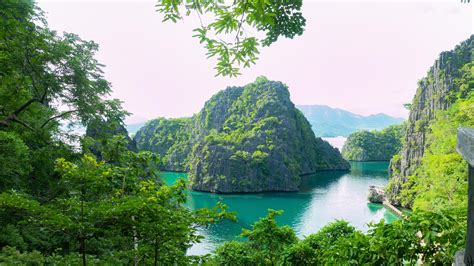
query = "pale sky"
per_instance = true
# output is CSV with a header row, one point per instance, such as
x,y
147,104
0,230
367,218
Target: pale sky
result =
x,y
365,57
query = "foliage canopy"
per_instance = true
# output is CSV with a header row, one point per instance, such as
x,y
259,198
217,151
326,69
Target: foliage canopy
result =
x,y
226,36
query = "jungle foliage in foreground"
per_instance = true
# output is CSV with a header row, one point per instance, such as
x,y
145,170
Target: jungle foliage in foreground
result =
x,y
66,199
69,200
432,237
373,145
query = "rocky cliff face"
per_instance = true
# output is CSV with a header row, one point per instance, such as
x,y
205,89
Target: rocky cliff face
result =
x,y
252,139
435,92
256,140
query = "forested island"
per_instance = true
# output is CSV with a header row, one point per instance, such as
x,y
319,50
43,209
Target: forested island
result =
x,y
97,199
245,139
373,145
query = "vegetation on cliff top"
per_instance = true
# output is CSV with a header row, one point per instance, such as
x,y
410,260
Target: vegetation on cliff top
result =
x,y
373,145
441,179
170,138
428,173
245,139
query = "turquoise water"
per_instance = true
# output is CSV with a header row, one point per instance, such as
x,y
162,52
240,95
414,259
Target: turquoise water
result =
x,y
323,198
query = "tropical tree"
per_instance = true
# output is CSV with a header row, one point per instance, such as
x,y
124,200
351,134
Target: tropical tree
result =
x,y
225,25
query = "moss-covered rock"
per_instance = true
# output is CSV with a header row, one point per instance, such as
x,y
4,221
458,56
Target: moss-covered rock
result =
x,y
376,194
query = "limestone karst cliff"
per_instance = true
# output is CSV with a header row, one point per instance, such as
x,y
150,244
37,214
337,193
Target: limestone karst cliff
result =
x,y
245,139
436,91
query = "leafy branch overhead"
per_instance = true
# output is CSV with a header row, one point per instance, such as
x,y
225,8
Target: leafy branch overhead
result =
x,y
227,28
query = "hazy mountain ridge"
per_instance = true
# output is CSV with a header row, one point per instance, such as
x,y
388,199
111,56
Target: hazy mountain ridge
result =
x,y
327,121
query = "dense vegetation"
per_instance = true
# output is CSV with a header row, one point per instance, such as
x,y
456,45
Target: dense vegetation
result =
x,y
170,138
430,237
334,122
373,145
245,139
441,179
428,173
67,199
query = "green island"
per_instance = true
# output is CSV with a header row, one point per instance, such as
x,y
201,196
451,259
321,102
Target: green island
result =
x,y
245,139
373,145
100,198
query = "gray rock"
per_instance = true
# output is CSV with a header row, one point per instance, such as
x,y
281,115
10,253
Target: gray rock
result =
x,y
434,93
376,194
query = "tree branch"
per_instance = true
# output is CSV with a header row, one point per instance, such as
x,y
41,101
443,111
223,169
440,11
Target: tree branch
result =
x,y
14,119
13,116
241,23
33,81
23,107
58,116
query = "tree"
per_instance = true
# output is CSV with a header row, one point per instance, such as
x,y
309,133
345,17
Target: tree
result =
x,y
433,237
110,213
46,82
226,35
266,242
46,77
15,158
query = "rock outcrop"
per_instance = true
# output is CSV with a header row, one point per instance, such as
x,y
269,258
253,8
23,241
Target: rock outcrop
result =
x,y
376,194
247,139
435,92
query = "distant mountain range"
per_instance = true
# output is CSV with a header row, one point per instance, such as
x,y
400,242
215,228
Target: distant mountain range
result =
x,y
332,122
327,121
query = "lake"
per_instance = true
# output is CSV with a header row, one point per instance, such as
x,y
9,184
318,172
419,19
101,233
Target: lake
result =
x,y
323,198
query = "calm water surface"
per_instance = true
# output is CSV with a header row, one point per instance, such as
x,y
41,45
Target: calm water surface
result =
x,y
324,197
